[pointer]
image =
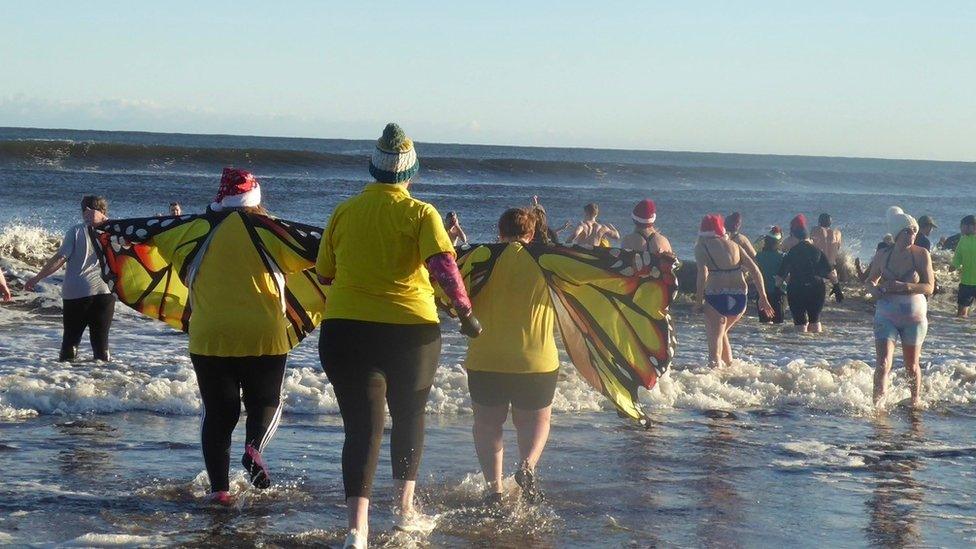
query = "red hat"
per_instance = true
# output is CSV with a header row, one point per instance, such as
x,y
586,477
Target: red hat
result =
x,y
799,222
238,189
712,225
798,227
645,212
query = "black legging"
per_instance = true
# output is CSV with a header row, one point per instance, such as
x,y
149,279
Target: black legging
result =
x,y
221,381
371,364
94,312
806,301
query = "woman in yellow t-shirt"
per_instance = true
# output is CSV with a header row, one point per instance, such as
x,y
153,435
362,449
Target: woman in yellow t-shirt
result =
x,y
380,341
233,261
515,362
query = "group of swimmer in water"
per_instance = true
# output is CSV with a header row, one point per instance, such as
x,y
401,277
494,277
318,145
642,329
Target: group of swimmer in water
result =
x,y
380,337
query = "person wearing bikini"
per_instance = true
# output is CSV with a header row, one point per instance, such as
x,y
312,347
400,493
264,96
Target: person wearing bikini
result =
x,y
721,291
900,278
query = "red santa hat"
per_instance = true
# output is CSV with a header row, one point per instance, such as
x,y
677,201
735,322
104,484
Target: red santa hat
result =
x,y
712,225
238,189
645,212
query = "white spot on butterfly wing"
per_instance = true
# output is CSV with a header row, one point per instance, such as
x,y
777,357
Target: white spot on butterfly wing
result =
x,y
629,271
655,272
316,235
141,233
166,222
152,222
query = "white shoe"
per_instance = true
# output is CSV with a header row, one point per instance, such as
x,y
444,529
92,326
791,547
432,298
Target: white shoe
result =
x,y
355,540
414,522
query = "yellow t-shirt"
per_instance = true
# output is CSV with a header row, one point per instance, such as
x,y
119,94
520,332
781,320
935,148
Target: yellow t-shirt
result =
x,y
517,316
374,249
236,304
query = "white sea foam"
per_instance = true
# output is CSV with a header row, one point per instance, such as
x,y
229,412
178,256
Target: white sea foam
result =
x,y
115,540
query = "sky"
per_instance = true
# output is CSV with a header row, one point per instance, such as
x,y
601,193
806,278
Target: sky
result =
x,y
871,78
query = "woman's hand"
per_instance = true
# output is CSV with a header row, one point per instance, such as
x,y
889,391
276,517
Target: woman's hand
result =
x,y
764,305
31,284
896,287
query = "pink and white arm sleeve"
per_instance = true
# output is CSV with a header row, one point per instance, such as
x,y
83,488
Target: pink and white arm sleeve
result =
x,y
444,270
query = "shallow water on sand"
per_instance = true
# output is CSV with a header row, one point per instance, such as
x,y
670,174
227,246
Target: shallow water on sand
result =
x,y
781,447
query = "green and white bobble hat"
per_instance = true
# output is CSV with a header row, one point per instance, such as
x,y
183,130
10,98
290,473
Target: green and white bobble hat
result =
x,y
394,160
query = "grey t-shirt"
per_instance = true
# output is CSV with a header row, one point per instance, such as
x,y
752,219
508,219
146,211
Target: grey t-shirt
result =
x,y
82,277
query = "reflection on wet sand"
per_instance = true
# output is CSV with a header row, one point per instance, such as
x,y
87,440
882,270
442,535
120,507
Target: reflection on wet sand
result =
x,y
893,509
85,445
721,504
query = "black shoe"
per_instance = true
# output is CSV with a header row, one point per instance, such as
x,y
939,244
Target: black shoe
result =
x,y
526,480
257,470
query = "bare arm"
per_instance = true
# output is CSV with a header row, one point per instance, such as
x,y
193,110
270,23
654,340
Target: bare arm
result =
x,y
4,290
873,276
702,275
610,231
746,246
47,270
750,266
464,237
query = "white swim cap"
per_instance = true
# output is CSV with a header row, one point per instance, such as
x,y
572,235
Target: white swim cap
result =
x,y
899,222
893,211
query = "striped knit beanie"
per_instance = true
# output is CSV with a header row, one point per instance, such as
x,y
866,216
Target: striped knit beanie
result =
x,y
394,160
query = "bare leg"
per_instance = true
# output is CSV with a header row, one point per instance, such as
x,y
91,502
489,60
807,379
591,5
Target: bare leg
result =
x,y
532,427
404,491
714,334
814,328
911,354
358,514
800,328
487,432
884,348
962,312
726,344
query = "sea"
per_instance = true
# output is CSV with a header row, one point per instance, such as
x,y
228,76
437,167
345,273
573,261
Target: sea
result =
x,y
781,448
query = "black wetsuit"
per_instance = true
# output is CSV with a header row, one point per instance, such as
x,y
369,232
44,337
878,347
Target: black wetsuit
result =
x,y
94,312
370,365
806,267
222,380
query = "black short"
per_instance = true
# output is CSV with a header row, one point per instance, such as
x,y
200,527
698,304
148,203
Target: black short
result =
x,y
522,391
967,295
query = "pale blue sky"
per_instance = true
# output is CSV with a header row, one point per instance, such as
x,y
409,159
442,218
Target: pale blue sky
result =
x,y
852,78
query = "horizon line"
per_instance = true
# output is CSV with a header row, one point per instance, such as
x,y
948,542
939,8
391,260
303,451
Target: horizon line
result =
x,y
561,147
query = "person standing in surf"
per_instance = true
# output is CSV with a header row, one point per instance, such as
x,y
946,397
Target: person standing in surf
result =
x,y
380,340
769,259
721,290
964,260
591,232
804,270
646,237
238,327
515,363
87,301
900,278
